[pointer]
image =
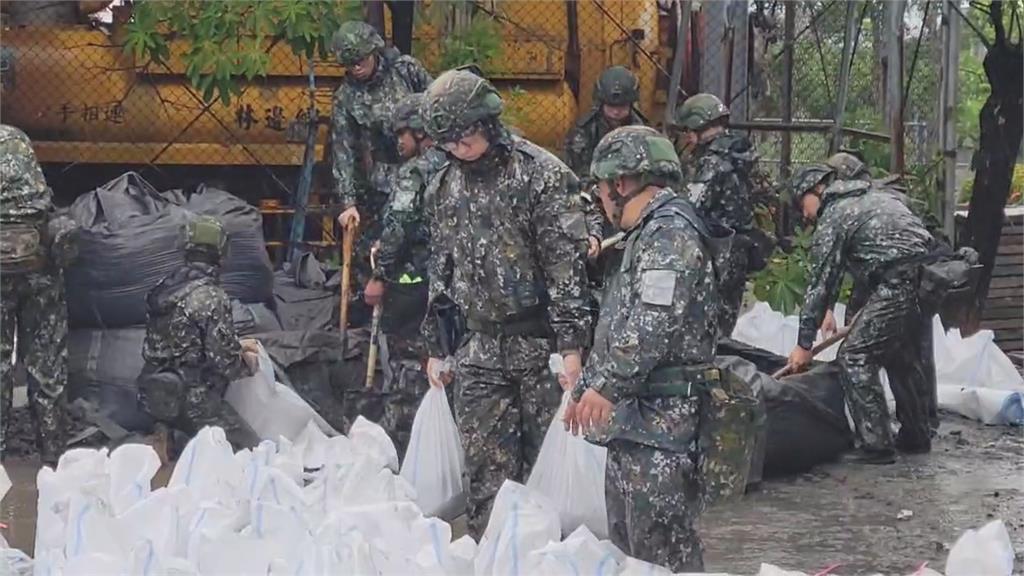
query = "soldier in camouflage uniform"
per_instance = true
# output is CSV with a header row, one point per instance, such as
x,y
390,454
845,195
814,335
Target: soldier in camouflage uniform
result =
x,y
882,244
508,239
35,247
365,151
615,95
849,167
720,187
400,268
641,392
192,351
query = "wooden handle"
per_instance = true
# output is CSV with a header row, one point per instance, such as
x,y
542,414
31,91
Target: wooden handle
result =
x,y
612,241
347,244
818,349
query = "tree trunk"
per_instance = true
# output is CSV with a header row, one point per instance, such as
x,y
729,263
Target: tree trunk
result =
x,y
1002,123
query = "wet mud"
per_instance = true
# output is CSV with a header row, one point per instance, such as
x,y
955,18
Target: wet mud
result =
x,y
848,514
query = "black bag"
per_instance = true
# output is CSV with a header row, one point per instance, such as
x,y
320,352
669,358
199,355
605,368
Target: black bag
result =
x,y
130,238
103,368
246,273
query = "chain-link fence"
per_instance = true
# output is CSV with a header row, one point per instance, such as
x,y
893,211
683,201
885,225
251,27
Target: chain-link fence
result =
x,y
93,110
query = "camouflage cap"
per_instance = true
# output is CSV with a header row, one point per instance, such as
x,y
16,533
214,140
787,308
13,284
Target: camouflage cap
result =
x,y
207,234
407,115
806,178
698,111
354,41
847,166
617,86
635,150
455,101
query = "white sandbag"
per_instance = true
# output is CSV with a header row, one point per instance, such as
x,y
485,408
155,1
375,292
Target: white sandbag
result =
x,y
521,521
987,550
772,570
974,361
92,564
14,562
435,460
5,482
231,554
987,405
79,471
270,408
370,439
208,468
570,473
152,525
580,553
635,567
771,331
132,467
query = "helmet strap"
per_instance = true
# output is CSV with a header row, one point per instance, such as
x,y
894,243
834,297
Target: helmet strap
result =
x,y
620,200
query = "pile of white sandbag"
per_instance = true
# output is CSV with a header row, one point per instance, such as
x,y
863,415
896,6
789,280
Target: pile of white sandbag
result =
x,y
975,378
318,506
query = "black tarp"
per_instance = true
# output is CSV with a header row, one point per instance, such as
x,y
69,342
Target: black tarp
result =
x,y
806,413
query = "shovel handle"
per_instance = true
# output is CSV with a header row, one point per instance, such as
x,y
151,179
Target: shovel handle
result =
x,y
818,349
347,244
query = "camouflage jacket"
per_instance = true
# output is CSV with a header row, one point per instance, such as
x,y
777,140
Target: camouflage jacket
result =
x,y
860,230
508,239
579,151
659,311
190,326
361,124
24,196
405,238
719,185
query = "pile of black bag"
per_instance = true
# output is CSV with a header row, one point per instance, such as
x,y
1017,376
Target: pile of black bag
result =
x,y
131,237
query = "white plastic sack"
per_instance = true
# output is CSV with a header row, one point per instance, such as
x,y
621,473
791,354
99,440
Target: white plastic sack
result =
x,y
986,550
974,361
570,473
272,409
434,461
987,405
5,482
370,439
580,553
771,331
521,521
132,467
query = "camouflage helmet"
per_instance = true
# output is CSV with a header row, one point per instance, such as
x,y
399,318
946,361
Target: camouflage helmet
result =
x,y
407,115
455,101
806,178
354,41
847,166
698,111
206,234
635,150
617,86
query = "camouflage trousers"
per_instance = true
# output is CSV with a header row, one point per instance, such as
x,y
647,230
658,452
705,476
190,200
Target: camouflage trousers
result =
x,y
191,405
505,397
731,286
653,498
34,309
890,333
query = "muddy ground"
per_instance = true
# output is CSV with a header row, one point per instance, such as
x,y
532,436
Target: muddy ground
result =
x,y
837,514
